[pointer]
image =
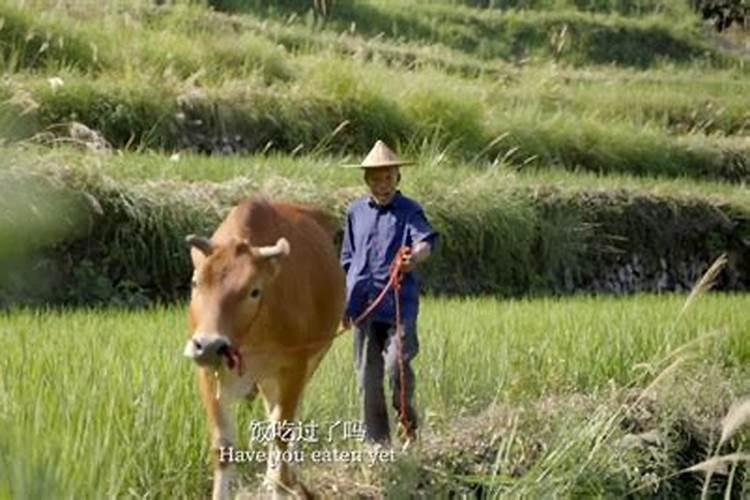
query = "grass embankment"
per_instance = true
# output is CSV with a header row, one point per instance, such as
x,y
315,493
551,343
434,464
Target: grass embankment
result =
x,y
102,404
187,78
503,232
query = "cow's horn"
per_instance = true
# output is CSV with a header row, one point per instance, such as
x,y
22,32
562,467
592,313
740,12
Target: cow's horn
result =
x,y
280,248
202,244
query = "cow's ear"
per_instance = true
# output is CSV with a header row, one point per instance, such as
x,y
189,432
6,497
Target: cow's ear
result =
x,y
275,267
203,244
243,247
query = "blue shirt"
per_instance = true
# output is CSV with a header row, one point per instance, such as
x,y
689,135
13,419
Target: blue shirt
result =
x,y
372,238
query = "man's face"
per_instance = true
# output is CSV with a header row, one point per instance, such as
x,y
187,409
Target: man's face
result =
x,y
382,182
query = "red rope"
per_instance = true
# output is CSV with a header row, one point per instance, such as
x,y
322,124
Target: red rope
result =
x,y
403,418
234,358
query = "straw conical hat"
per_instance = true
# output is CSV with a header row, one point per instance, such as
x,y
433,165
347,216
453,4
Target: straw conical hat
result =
x,y
381,156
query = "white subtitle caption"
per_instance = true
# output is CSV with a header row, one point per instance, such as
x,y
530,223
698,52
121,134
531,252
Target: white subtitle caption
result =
x,y
293,433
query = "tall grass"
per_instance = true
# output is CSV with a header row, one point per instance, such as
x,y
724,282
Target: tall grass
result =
x,y
102,403
503,232
626,7
31,43
34,212
189,78
678,101
512,33
344,111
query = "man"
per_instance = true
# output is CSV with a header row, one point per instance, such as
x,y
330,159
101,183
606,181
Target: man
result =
x,y
377,226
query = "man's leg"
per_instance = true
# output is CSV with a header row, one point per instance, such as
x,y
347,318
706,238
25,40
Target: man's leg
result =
x,y
369,341
397,362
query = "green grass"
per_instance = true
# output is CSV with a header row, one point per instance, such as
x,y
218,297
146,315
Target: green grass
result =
x,y
503,231
323,172
515,33
336,111
189,78
101,403
629,7
321,178
46,44
557,141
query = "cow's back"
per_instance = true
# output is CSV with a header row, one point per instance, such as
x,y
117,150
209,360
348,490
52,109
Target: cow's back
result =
x,y
306,300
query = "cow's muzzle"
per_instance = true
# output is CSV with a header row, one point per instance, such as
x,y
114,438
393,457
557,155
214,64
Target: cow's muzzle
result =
x,y
207,349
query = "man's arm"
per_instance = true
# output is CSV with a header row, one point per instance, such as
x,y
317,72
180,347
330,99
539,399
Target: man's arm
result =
x,y
418,254
421,232
421,251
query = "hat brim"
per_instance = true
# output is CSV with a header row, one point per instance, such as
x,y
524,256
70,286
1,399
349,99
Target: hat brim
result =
x,y
399,163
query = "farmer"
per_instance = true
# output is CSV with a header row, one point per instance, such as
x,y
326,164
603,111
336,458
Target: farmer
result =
x,y
377,227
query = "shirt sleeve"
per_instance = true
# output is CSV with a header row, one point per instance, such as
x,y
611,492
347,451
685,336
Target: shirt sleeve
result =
x,y
420,230
347,244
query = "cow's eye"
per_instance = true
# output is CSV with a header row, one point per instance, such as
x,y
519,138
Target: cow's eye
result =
x,y
255,293
193,283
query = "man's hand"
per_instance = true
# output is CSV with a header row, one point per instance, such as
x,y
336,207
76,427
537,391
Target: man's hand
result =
x,y
411,257
407,260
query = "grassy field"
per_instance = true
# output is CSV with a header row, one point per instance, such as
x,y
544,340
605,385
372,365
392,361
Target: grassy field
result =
x,y
270,80
101,403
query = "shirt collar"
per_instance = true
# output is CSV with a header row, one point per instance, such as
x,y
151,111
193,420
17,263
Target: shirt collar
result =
x,y
371,201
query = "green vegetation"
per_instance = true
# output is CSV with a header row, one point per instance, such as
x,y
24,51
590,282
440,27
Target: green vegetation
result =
x,y
504,232
119,413
526,86
640,104
30,44
564,146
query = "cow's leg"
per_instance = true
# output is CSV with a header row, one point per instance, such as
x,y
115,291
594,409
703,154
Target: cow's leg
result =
x,y
282,395
223,434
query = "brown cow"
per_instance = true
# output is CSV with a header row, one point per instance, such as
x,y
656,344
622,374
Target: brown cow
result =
x,y
268,296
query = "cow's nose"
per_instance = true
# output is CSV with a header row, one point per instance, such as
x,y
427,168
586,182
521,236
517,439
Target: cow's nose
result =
x,y
206,349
